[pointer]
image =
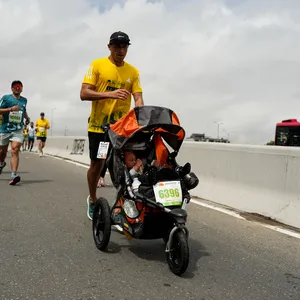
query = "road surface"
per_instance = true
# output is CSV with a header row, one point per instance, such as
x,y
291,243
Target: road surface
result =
x,y
47,249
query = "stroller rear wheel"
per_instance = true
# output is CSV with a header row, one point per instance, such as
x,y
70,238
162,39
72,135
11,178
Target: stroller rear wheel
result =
x,y
101,223
178,254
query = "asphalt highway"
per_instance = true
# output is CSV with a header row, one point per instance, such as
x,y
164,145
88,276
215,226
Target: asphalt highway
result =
x,y
47,249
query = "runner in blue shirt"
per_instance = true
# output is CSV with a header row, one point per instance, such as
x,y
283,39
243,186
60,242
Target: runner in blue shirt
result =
x,y
13,111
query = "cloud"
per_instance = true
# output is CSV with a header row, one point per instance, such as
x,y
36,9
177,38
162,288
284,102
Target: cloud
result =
x,y
229,61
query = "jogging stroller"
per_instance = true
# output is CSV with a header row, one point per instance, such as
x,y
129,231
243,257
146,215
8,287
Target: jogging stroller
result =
x,y
155,208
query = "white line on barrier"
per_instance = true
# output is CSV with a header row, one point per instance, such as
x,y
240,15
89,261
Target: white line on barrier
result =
x,y
236,215
210,206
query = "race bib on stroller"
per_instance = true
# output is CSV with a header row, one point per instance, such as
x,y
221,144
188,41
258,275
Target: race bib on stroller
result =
x,y
102,150
168,193
15,117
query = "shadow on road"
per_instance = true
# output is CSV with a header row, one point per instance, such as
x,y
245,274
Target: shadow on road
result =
x,y
26,181
154,250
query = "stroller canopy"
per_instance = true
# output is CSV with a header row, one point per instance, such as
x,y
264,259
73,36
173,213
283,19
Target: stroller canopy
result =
x,y
144,121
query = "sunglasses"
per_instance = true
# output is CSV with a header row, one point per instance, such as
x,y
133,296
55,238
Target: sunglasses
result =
x,y
17,86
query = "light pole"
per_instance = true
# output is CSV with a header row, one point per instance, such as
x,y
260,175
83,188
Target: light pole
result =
x,y
218,128
228,134
51,125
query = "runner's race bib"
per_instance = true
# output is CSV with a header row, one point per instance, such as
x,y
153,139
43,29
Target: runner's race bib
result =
x,y
168,193
42,129
15,117
102,150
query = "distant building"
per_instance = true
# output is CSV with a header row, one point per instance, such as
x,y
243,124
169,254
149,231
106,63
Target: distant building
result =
x,y
200,137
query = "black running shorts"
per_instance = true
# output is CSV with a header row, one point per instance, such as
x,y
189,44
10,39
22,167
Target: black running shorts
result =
x,y
94,141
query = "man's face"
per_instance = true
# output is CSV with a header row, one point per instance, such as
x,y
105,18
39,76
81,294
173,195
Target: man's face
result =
x,y
17,89
31,124
118,51
42,117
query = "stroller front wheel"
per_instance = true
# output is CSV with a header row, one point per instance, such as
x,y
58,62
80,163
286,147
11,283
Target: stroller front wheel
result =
x,y
101,223
178,254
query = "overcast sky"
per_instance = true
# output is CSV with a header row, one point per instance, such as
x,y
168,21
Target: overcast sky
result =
x,y
230,61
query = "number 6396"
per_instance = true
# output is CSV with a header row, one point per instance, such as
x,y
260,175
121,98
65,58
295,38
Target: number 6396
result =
x,y
167,193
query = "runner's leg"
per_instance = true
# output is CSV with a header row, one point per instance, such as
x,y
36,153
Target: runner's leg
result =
x,y
4,142
15,148
14,163
3,153
43,143
26,144
31,144
101,181
40,145
94,170
93,175
17,140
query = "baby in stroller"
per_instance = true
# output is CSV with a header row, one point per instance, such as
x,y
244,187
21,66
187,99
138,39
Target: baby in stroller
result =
x,y
135,167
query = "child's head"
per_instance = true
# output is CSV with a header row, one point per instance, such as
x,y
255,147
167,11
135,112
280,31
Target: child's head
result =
x,y
130,159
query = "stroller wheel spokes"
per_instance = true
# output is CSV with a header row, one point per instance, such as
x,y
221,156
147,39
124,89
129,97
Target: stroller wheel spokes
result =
x,y
101,224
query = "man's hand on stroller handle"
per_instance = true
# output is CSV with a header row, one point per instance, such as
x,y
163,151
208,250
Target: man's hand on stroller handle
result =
x,y
120,94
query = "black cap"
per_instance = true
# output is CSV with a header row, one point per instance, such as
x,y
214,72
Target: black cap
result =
x,y
42,113
119,37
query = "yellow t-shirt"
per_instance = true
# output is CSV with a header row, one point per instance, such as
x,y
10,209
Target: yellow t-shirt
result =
x,y
25,132
106,76
42,126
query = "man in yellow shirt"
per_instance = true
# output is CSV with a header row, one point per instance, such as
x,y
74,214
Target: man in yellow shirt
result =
x,y
108,83
41,126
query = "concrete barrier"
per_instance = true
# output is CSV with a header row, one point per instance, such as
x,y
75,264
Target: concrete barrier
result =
x,y
255,179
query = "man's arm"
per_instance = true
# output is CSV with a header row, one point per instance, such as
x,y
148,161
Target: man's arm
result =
x,y
3,107
9,109
88,93
137,91
27,118
138,99
5,110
